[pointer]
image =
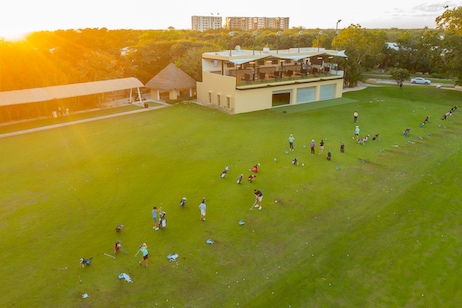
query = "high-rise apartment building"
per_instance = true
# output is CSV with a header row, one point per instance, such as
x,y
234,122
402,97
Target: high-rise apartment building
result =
x,y
253,23
203,23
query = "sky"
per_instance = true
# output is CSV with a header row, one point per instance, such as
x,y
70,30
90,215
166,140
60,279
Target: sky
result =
x,y
23,16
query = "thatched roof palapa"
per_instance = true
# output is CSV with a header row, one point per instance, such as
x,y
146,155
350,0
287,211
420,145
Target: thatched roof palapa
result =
x,y
171,78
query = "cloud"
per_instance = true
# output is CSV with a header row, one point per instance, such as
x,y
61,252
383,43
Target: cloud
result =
x,y
433,7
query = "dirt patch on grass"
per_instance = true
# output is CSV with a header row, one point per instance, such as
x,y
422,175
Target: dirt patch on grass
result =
x,y
397,152
368,162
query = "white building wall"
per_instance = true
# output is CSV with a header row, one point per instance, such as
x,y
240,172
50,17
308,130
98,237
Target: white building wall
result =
x,y
203,23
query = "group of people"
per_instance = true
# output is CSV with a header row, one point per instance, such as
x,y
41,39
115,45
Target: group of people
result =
x,y
356,136
312,146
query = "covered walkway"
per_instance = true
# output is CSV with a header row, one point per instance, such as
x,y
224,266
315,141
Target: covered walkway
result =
x,y
60,100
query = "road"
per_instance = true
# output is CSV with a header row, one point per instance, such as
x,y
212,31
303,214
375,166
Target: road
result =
x,y
406,83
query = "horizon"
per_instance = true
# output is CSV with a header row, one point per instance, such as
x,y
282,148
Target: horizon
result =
x,y
23,36
18,23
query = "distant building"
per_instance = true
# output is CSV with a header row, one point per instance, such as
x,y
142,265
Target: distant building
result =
x,y
203,23
392,45
252,23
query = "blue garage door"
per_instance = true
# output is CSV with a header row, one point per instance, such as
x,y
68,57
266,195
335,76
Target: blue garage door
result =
x,y
327,91
305,95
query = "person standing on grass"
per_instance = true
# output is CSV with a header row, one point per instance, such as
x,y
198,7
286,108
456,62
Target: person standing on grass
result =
x,y
154,216
258,198
356,133
321,147
342,147
291,142
313,144
355,115
203,207
144,251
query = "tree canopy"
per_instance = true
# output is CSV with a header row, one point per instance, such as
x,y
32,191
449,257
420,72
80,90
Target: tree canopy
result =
x,y
49,58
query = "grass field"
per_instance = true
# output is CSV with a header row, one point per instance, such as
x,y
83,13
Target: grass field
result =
x,y
23,125
382,231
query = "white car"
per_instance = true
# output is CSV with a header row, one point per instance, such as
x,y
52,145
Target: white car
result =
x,y
420,80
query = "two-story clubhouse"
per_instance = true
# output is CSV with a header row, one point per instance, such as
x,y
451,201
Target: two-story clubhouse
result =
x,y
237,81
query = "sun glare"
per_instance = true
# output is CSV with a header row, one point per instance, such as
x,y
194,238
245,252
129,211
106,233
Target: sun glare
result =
x,y
13,36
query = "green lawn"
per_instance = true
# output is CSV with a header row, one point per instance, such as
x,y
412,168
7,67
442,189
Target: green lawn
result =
x,y
7,128
382,231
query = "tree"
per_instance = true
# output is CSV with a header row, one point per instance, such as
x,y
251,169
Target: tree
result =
x,y
191,61
400,74
362,48
451,22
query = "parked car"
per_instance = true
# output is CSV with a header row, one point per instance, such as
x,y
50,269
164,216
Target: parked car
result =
x,y
420,80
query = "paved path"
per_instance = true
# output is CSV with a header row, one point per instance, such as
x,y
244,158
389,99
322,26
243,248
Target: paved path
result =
x,y
407,83
32,130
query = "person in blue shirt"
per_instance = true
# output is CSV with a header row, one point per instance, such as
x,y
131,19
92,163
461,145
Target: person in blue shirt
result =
x,y
144,251
291,142
154,216
203,207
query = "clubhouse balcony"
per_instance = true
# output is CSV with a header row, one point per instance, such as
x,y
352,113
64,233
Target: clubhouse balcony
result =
x,y
246,80
266,67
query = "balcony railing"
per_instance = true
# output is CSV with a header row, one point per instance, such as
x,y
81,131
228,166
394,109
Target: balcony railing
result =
x,y
243,81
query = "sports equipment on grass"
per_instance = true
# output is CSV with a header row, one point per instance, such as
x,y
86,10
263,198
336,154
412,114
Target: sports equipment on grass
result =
x,y
183,202
239,179
162,220
59,269
251,208
123,250
138,251
79,277
108,255
225,172
85,262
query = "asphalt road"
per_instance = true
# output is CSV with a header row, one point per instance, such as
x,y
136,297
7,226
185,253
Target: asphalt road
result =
x,y
406,83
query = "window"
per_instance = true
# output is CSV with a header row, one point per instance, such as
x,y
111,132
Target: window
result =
x,y
210,98
261,62
218,100
228,100
274,61
287,61
230,64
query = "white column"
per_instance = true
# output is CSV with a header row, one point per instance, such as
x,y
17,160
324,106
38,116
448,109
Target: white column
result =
x,y
139,96
158,95
190,92
130,95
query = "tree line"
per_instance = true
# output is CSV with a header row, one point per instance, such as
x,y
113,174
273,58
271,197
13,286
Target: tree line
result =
x,y
49,58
